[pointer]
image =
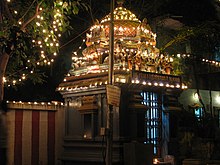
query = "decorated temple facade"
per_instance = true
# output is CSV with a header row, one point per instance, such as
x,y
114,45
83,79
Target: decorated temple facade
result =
x,y
135,46
149,91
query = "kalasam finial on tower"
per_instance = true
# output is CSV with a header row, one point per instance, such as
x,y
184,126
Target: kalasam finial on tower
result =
x,y
120,3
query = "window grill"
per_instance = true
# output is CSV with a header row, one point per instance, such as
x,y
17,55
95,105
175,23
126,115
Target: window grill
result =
x,y
153,120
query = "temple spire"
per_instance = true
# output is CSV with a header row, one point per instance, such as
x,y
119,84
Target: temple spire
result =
x,y
120,3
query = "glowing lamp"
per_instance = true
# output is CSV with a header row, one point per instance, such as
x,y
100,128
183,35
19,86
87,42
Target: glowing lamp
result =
x,y
155,161
217,99
196,96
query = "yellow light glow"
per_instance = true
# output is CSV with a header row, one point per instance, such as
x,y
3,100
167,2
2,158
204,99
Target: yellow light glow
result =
x,y
38,23
196,96
155,161
217,99
4,79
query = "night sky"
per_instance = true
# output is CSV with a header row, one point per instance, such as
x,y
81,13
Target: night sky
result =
x,y
192,12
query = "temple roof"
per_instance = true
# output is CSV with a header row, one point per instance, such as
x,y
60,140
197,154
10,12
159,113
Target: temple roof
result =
x,y
134,46
136,58
121,14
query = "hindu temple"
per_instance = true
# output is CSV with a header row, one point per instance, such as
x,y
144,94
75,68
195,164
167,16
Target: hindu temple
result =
x,y
149,91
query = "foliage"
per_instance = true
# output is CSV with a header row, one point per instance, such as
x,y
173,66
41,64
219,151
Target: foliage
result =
x,y
30,34
24,60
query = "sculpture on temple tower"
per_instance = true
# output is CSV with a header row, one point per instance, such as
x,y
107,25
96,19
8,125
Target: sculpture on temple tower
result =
x,y
135,45
141,72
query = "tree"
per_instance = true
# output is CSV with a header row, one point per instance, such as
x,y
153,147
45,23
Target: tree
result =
x,y
29,39
30,33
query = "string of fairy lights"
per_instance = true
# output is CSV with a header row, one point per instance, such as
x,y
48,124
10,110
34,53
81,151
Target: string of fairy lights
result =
x,y
47,104
143,29
123,80
48,41
77,57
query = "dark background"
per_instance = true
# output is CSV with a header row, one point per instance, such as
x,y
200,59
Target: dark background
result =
x,y
188,12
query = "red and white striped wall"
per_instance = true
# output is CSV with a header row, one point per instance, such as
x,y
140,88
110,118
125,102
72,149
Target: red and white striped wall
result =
x,y
34,133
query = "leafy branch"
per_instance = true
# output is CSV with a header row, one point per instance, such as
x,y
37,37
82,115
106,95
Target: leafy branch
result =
x,y
37,12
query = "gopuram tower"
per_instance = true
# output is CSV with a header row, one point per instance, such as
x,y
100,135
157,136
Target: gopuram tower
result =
x,y
145,79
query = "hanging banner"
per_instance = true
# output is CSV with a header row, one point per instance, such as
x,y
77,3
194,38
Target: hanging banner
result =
x,y
113,95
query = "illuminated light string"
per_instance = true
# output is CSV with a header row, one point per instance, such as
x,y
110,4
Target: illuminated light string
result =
x,y
36,103
121,13
123,81
216,63
51,34
57,22
125,15
122,30
75,53
50,40
77,59
99,71
22,77
43,60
